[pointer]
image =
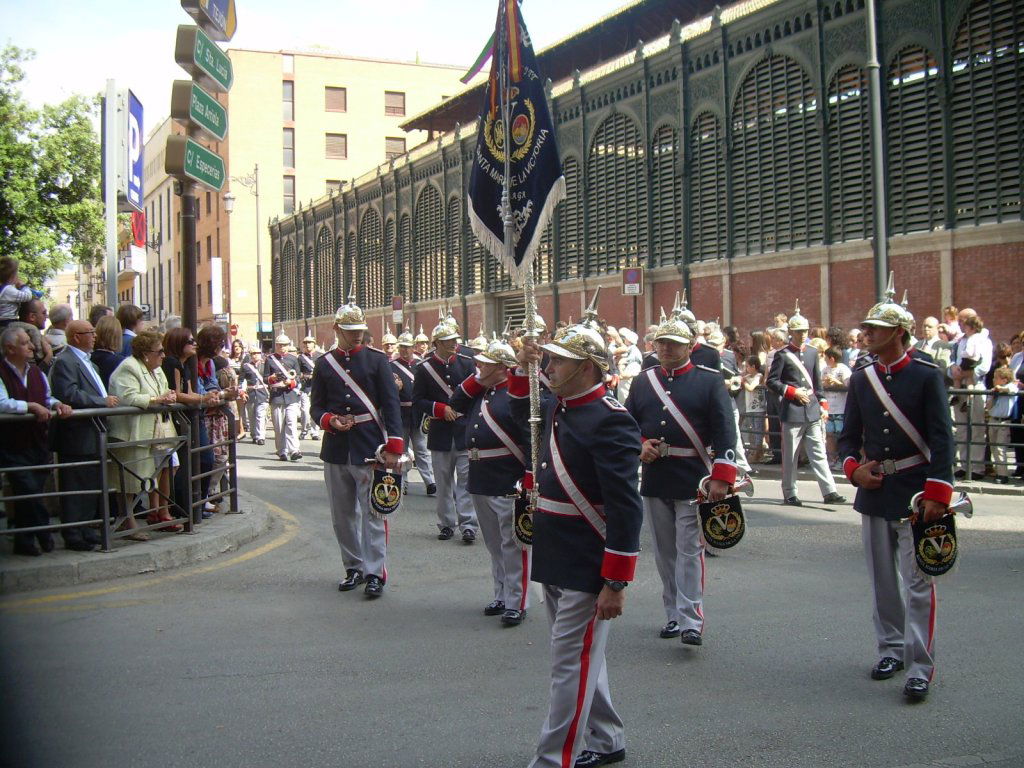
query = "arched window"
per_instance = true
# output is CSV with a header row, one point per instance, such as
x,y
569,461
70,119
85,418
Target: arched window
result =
x,y
570,223
988,90
323,284
452,285
306,289
616,196
542,266
849,154
428,250
708,215
338,289
370,261
915,142
405,284
285,303
475,261
776,159
667,211
349,262
390,287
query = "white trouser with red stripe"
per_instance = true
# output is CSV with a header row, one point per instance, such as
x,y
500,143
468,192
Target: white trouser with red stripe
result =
x,y
679,557
904,598
308,423
416,441
580,711
510,565
811,435
362,536
257,419
286,427
454,506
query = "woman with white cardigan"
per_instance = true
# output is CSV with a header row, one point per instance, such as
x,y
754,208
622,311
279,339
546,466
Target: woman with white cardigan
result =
x,y
139,382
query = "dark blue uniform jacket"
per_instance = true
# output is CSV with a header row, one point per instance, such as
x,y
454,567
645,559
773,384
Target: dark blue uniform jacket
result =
x,y
430,399
490,475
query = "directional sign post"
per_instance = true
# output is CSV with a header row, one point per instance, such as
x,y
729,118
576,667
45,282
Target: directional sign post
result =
x,y
191,159
191,104
216,17
198,55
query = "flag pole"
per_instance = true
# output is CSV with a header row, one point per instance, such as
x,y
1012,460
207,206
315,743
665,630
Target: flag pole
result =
x,y
510,245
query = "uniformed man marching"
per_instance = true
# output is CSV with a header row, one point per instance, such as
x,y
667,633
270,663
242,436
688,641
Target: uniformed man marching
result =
x,y
280,373
681,409
258,396
497,460
794,378
355,402
435,381
586,536
306,359
897,440
700,353
404,366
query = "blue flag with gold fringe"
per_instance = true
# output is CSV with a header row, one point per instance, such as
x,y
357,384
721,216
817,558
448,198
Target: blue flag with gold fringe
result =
x,y
536,181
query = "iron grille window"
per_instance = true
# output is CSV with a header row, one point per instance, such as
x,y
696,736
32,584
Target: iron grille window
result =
x,y
389,260
570,223
428,258
453,245
988,90
337,288
708,209
307,289
370,278
349,266
289,194
513,312
337,146
393,147
285,301
915,142
288,101
324,271
404,267
776,160
543,267
394,103
667,210
617,187
849,155
288,144
335,99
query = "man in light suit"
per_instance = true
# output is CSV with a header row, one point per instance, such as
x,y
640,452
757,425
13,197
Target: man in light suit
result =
x,y
75,381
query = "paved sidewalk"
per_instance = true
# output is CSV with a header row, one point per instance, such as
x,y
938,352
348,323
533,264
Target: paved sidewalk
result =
x,y
63,568
773,472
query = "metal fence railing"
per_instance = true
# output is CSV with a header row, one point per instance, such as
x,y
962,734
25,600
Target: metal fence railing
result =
x,y
116,504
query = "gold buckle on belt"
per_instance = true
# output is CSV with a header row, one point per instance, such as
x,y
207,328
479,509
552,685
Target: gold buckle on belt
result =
x,y
474,454
888,467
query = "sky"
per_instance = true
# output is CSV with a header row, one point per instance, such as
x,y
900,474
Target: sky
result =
x,y
79,44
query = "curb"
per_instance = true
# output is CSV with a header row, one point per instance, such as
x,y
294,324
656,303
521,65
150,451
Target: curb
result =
x,y
774,472
63,568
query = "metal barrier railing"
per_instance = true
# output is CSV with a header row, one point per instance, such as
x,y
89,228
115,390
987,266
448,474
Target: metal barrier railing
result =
x,y
980,440
186,445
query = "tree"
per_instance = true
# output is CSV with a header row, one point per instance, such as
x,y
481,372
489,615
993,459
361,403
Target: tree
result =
x,y
50,204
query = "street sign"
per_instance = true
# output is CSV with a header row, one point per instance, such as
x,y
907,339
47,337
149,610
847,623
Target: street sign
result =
x,y
397,305
198,55
191,104
633,281
216,17
135,159
190,159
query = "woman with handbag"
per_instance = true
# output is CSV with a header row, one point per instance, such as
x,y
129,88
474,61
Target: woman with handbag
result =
x,y
139,382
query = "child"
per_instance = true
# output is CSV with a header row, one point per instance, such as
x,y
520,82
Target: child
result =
x,y
12,291
754,407
1000,414
834,380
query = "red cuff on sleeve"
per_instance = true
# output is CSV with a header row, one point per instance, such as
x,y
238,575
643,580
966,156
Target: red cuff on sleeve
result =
x,y
849,467
472,386
790,393
325,422
938,490
618,566
824,405
528,481
724,471
518,385
394,445
439,410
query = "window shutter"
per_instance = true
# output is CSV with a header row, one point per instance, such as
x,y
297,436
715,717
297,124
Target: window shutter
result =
x,y
337,146
452,285
393,147
429,245
370,261
394,103
707,188
570,223
405,257
849,155
336,99
323,273
389,260
667,211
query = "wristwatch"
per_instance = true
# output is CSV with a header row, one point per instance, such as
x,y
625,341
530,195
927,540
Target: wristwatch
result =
x,y
616,586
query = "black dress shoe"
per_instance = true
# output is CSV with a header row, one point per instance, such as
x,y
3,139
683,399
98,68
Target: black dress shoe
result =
x,y
260,442
431,489
916,689
27,548
588,758
445,534
977,476
353,578
314,437
295,456
495,608
468,536
512,617
282,457
772,460
691,637
670,630
92,537
793,501
886,668
79,545
834,498
960,474
45,542
374,587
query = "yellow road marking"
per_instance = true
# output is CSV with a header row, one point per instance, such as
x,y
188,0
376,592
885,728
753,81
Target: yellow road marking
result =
x,y
291,527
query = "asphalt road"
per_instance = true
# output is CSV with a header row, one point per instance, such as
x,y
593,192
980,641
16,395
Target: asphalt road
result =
x,y
262,662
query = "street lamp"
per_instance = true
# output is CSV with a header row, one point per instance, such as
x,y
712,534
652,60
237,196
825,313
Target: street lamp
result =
x,y
251,181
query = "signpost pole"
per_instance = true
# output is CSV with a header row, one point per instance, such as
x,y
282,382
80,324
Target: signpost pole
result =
x,y
110,150
188,255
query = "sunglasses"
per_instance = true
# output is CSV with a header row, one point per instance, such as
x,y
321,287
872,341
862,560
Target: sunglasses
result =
x,y
157,352
191,341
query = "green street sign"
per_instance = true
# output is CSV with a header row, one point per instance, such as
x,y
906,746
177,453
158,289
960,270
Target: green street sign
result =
x,y
198,55
192,105
188,159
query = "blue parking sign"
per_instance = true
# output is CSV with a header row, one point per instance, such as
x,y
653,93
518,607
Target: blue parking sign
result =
x,y
135,144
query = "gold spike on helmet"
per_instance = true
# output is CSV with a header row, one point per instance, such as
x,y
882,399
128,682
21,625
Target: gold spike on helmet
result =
x,y
683,311
579,342
498,352
480,342
674,328
798,322
421,337
887,313
388,337
444,331
282,339
349,317
405,339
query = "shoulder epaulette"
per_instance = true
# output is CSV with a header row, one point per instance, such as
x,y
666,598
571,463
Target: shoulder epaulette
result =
x,y
864,361
707,368
612,403
378,351
922,361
